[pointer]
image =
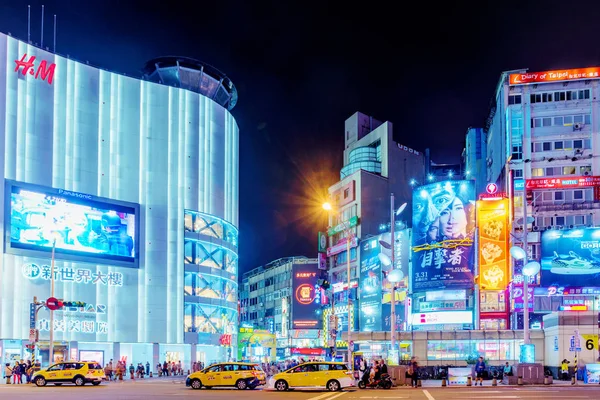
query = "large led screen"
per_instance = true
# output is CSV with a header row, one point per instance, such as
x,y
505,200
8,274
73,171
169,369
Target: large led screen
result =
x,y
370,285
306,302
571,257
443,229
79,226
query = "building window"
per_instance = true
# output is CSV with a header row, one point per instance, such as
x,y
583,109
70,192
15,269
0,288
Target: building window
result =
x,y
346,193
566,95
518,173
565,120
517,152
514,99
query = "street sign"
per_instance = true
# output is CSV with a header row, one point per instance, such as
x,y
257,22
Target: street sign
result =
x,y
33,335
52,303
31,316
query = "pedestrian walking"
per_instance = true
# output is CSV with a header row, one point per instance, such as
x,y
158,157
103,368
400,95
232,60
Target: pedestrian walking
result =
x,y
7,373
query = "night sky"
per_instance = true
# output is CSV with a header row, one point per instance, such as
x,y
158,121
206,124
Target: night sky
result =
x,y
302,68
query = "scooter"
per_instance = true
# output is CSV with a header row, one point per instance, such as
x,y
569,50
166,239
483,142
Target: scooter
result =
x,y
385,382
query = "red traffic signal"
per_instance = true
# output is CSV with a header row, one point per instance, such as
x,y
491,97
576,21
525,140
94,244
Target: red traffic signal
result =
x,y
53,303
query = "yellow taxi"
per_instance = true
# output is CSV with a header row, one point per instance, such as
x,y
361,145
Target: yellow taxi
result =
x,y
233,374
333,376
77,372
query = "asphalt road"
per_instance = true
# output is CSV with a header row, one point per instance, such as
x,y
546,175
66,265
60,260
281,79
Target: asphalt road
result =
x,y
162,389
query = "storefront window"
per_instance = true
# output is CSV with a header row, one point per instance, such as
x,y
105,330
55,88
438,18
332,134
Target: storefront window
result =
x,y
454,350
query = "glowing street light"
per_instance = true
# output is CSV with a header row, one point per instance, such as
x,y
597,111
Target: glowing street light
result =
x,y
430,177
327,207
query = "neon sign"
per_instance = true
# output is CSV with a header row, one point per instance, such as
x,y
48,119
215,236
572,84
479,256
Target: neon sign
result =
x,y
43,71
33,272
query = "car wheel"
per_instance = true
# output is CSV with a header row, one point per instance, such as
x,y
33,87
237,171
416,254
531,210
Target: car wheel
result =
x,y
40,381
96,383
57,384
361,384
78,381
196,384
241,384
333,386
281,385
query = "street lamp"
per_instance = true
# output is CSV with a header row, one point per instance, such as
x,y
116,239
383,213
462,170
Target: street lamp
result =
x,y
530,269
349,235
393,277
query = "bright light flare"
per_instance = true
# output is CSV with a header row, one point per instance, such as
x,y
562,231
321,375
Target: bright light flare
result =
x,y
327,206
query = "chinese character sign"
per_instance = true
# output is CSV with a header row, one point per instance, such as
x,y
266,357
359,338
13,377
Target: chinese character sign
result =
x,y
370,286
492,218
34,272
306,296
571,257
442,237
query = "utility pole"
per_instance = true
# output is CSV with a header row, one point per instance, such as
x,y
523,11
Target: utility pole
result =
x,y
393,259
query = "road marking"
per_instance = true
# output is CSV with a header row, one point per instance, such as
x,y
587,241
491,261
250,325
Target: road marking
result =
x,y
429,396
326,395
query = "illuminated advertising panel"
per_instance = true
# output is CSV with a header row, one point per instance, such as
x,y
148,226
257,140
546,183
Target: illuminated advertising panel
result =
x,y
562,183
571,257
306,296
80,226
558,75
442,236
370,286
492,219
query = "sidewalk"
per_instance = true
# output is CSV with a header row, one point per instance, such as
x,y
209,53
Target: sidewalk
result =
x,y
435,383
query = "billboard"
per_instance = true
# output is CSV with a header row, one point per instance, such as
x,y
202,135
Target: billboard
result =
x,y
370,286
559,75
492,219
442,236
80,226
306,301
571,257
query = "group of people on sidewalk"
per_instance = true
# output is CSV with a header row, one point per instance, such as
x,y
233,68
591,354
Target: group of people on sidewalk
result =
x,y
21,372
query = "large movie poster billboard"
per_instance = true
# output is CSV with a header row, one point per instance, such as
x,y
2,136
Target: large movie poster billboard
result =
x,y
370,285
306,305
492,216
443,229
571,257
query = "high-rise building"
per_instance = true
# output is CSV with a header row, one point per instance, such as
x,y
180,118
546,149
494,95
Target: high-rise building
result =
x,y
133,185
542,145
374,167
474,155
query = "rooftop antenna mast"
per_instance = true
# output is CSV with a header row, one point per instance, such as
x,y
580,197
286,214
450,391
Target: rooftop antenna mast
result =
x,y
42,39
29,24
54,50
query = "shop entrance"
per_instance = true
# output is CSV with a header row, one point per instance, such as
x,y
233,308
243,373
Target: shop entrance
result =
x,y
60,353
173,356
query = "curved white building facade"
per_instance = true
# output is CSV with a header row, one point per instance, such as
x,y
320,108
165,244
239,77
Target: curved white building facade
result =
x,y
89,145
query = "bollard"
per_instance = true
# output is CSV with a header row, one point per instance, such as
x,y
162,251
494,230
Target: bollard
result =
x,y
469,381
150,374
494,382
520,381
419,383
573,380
546,380
444,384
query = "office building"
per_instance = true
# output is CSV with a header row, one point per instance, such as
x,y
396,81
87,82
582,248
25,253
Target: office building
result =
x,y
542,145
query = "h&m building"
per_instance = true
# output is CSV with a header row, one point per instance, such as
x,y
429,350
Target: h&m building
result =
x,y
135,184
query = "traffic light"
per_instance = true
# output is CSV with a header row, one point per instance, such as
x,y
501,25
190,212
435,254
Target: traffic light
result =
x,y
73,304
